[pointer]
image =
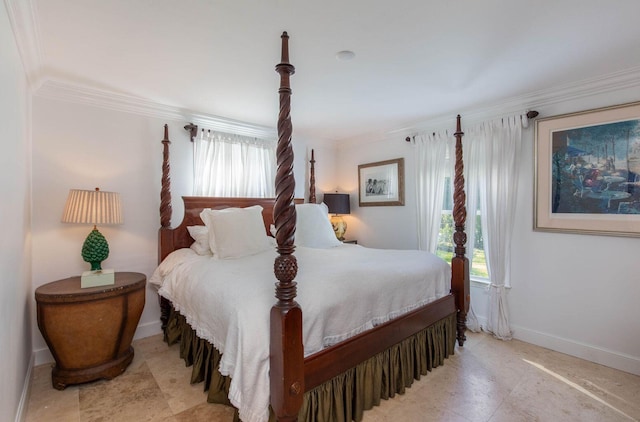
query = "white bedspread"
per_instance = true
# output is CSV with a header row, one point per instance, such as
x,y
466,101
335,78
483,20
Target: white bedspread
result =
x,y
342,291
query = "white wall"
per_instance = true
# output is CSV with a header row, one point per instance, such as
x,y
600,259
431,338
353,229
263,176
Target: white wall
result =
x,y
379,227
83,146
15,247
573,293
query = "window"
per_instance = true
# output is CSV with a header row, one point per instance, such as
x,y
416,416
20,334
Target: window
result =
x,y
477,259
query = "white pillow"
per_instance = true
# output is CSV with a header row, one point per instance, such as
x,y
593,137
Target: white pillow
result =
x,y
200,235
236,232
313,228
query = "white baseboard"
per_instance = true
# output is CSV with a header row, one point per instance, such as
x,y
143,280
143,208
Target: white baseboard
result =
x,y
148,329
42,356
588,352
21,414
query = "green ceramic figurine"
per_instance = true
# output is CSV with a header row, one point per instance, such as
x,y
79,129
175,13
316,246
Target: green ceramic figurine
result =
x,y
95,249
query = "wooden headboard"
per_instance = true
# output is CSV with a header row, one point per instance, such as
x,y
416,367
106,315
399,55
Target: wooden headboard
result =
x,y
178,237
170,239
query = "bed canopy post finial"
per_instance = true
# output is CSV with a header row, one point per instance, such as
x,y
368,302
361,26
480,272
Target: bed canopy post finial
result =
x,y
460,263
286,349
312,179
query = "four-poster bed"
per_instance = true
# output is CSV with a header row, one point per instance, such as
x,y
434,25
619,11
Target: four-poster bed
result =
x,y
393,353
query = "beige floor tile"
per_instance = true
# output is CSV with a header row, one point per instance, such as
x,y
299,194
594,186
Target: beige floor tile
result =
x,y
48,404
173,378
473,338
133,396
149,346
469,391
413,406
487,380
620,389
542,397
206,412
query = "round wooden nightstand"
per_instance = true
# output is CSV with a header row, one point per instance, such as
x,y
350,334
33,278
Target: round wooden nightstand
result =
x,y
89,331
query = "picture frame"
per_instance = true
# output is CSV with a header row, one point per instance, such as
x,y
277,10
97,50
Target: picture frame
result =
x,y
381,183
587,172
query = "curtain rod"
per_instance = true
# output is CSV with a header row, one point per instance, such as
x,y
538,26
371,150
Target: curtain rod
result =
x,y
531,114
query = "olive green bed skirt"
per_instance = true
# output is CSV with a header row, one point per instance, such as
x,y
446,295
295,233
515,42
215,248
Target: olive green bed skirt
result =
x,y
343,398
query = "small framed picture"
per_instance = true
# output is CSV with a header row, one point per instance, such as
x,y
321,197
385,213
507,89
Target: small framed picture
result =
x,y
587,172
381,183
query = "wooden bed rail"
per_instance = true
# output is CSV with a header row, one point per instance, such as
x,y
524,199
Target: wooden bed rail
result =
x,y
286,349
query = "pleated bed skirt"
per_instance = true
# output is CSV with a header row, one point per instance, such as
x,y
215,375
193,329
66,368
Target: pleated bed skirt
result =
x,y
343,398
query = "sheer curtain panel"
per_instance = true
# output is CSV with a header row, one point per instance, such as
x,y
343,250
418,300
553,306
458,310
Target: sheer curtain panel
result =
x,y
433,165
228,165
494,161
431,169
473,163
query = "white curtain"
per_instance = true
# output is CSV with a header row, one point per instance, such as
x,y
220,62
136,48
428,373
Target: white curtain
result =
x,y
431,169
435,161
228,165
493,152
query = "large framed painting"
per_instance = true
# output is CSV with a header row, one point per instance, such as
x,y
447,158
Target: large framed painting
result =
x,y
587,172
381,183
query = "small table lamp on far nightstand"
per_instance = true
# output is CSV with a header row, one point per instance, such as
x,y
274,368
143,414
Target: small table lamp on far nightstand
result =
x,y
94,207
338,203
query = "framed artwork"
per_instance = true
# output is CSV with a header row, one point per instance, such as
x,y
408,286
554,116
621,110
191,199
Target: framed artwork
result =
x,y
587,172
381,183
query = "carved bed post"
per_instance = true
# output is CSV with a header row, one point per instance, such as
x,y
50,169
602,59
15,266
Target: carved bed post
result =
x,y
312,179
165,217
165,192
460,263
286,349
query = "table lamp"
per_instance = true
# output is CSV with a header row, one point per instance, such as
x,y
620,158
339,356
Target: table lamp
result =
x,y
338,203
94,207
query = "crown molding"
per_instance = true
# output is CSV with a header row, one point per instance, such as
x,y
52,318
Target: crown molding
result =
x,y
223,124
65,91
616,81
23,18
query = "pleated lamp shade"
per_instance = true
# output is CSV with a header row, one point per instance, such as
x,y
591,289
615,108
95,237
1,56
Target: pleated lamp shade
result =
x,y
92,207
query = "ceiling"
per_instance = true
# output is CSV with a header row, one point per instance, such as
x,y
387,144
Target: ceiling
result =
x,y
415,59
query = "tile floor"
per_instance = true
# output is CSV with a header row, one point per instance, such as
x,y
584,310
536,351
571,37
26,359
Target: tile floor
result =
x,y
488,380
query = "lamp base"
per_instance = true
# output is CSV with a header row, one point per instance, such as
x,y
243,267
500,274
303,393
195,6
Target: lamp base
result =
x,y
339,226
97,278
